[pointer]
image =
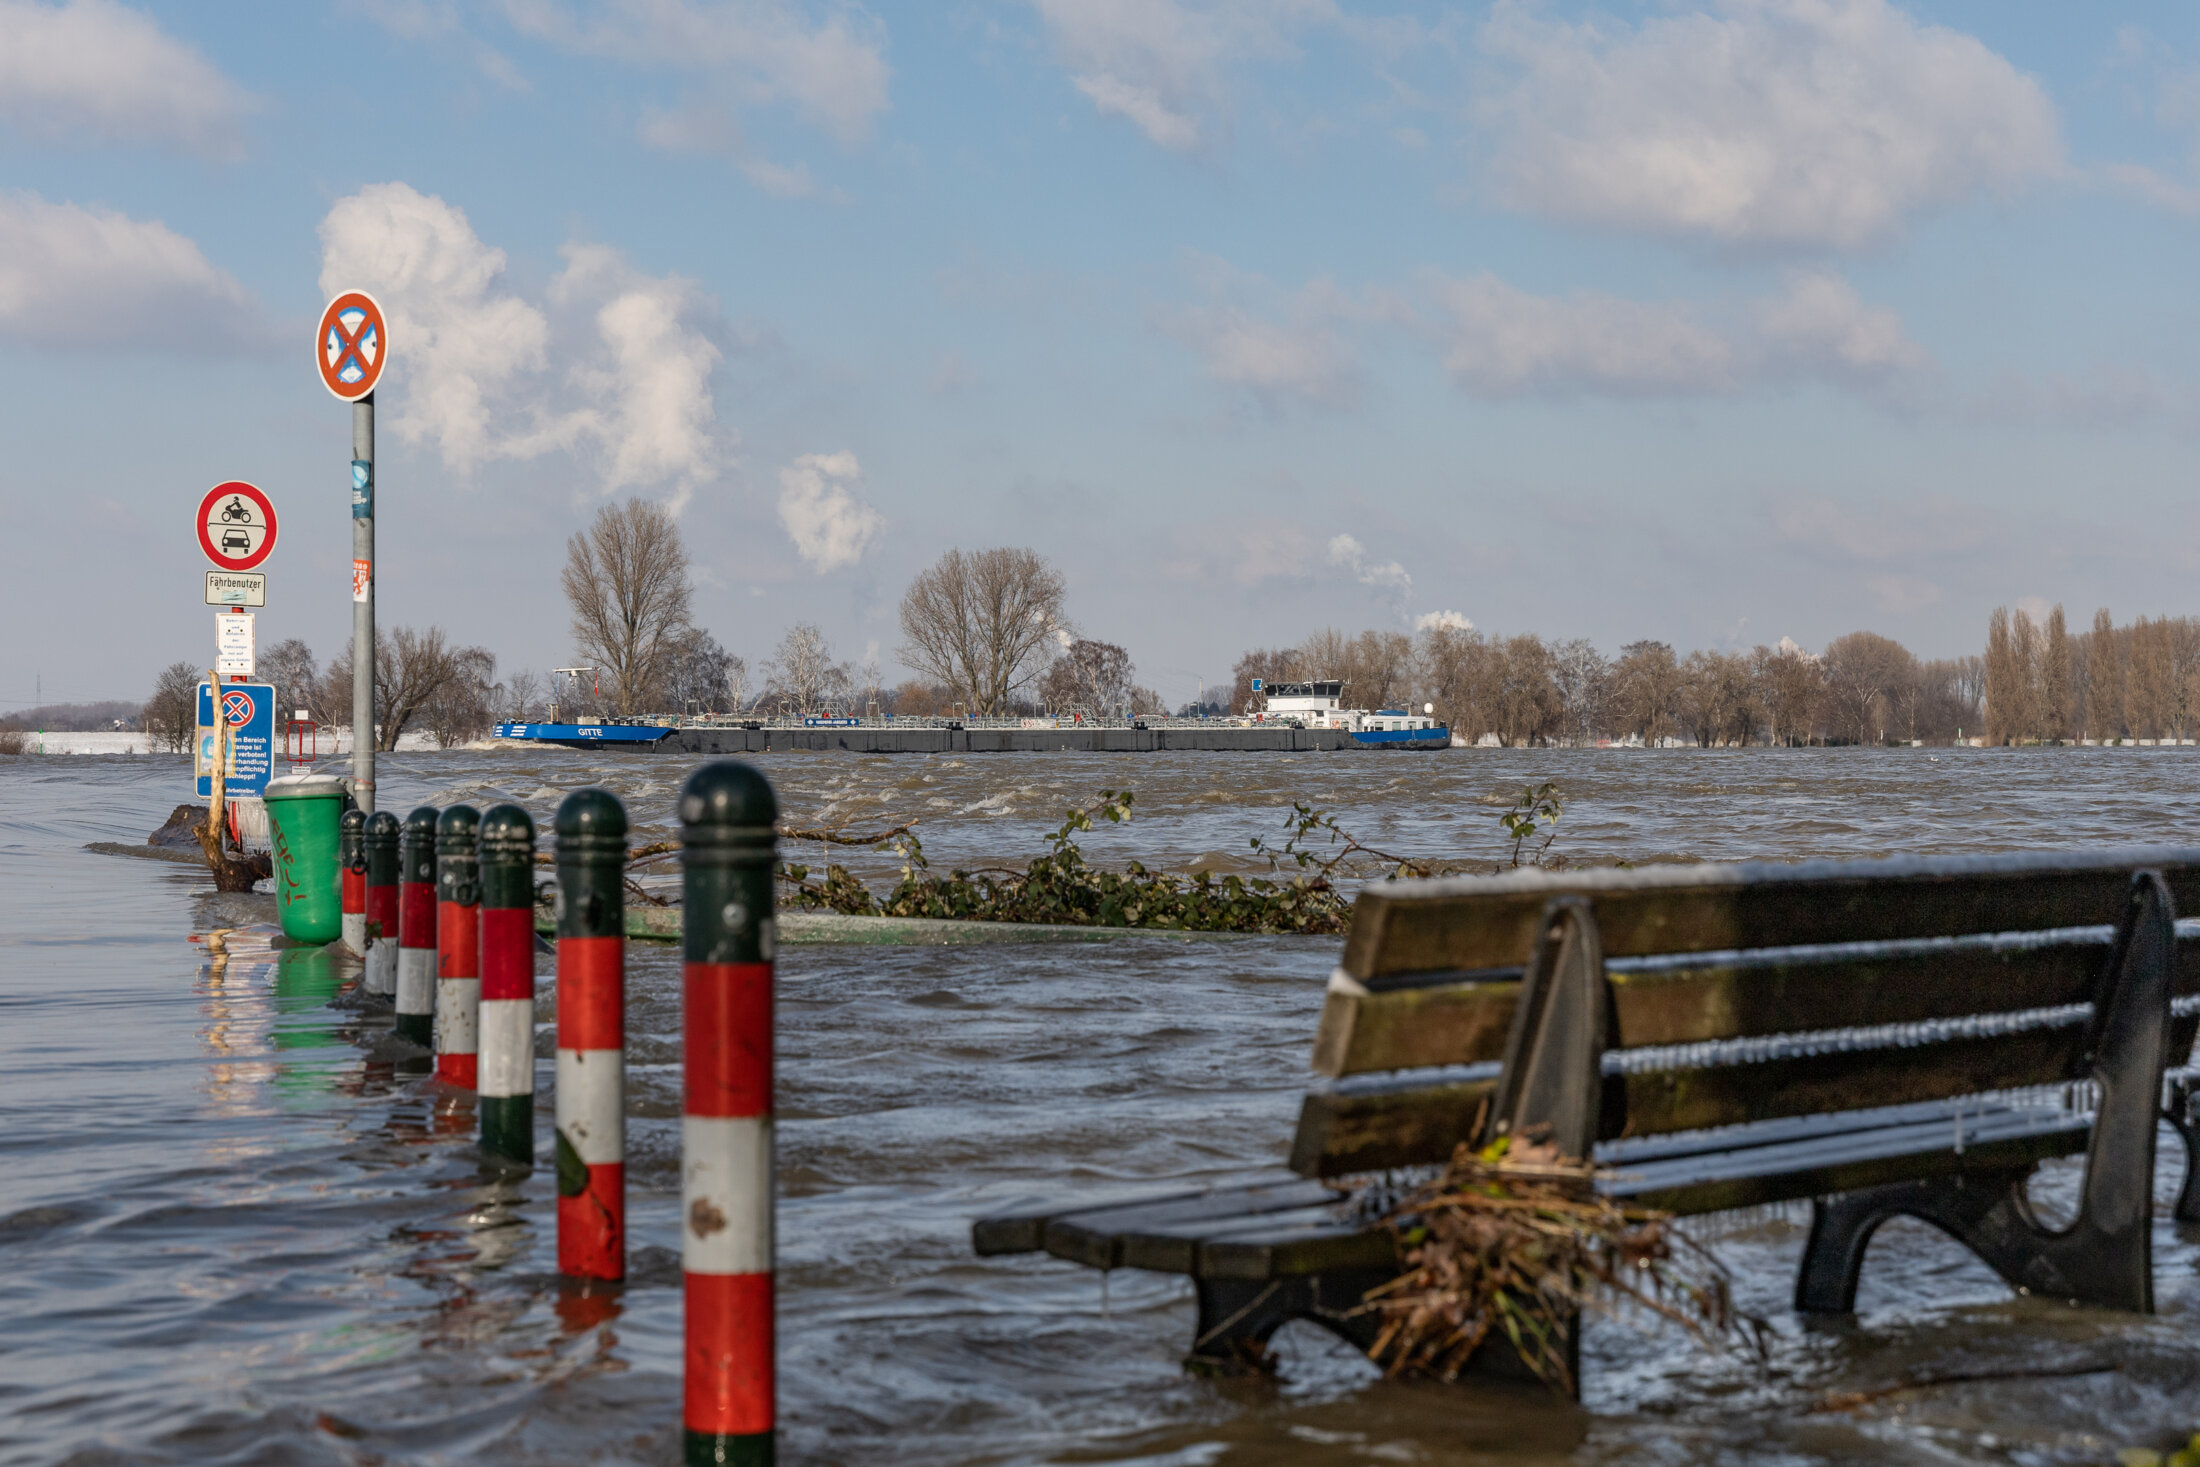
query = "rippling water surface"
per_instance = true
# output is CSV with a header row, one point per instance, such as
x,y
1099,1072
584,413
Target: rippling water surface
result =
x,y
231,1231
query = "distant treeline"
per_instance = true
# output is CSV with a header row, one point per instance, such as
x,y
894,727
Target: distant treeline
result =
x,y
2035,683
112,713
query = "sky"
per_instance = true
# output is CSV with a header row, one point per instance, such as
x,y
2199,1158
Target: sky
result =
x,y
1774,318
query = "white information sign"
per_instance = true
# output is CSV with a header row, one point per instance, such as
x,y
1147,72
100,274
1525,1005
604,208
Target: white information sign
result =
x,y
233,644
236,588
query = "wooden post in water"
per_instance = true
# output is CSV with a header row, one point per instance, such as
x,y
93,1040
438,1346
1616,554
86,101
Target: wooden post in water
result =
x,y
416,928
591,1094
457,946
382,836
727,814
507,1064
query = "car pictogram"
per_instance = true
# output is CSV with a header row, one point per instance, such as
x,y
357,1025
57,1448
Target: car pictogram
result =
x,y
236,540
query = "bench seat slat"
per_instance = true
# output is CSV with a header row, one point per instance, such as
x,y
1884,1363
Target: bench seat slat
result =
x,y
1398,1028
1483,921
1163,1235
1023,1229
1258,1230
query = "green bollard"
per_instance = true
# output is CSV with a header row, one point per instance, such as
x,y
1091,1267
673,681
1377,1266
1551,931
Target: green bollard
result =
x,y
506,1065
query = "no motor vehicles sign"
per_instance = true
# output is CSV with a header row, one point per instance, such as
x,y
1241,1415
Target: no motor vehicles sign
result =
x,y
236,526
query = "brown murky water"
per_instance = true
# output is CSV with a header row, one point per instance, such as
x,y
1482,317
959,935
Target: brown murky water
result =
x,y
229,1233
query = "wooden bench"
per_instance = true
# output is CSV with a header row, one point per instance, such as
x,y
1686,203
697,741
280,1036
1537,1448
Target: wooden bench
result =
x,y
1900,1036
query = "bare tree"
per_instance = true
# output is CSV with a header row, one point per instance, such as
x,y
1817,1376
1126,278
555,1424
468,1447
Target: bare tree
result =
x,y
2055,678
1270,665
1715,702
1581,674
1093,677
171,715
412,670
462,706
290,667
980,622
698,673
1791,685
1868,683
2104,682
1646,687
519,696
626,579
804,677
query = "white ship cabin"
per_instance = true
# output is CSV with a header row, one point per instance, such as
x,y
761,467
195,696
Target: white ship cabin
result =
x,y
1320,704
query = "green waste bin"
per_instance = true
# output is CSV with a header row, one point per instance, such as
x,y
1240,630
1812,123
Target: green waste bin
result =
x,y
302,815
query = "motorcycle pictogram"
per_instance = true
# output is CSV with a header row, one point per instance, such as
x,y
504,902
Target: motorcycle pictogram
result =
x,y
235,512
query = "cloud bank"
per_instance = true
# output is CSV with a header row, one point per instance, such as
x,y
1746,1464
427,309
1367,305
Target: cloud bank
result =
x,y
77,277
1781,124
613,365
93,71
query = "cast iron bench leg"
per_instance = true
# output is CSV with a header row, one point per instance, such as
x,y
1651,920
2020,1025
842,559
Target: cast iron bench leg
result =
x,y
1237,1316
2106,1258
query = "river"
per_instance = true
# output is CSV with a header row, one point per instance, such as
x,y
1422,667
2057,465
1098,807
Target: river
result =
x,y
230,1233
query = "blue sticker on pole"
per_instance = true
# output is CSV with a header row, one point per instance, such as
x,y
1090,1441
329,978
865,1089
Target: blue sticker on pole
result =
x,y
362,489
249,710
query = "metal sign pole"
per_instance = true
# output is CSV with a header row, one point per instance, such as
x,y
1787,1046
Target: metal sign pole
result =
x,y
362,605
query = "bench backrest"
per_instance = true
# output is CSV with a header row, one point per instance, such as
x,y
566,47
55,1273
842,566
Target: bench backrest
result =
x,y
1810,988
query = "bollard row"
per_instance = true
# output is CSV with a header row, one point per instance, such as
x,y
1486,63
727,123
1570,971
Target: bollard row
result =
x,y
456,892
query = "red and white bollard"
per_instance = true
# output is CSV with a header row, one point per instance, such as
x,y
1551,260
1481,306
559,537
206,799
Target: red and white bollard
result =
x,y
416,928
591,1094
457,946
727,814
506,1072
351,856
382,924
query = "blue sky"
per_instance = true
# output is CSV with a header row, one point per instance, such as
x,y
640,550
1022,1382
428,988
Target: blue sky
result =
x,y
1711,325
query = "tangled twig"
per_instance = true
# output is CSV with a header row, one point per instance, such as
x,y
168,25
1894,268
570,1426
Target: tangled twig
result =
x,y
1515,1240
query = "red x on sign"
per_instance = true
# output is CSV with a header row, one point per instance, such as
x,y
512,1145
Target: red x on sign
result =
x,y
237,708
352,345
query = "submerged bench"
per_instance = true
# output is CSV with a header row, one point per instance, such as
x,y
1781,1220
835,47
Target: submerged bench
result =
x,y
1903,1036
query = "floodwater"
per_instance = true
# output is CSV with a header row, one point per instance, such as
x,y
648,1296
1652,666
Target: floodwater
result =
x,y
232,1232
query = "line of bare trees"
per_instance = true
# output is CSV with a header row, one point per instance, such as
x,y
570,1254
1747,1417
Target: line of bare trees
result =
x,y
2047,685
1519,690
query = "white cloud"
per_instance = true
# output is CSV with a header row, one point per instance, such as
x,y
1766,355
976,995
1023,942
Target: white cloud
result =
x,y
714,128
95,71
1800,124
1450,620
1500,341
615,364
72,276
1821,325
830,527
1388,576
1304,359
831,69
1160,64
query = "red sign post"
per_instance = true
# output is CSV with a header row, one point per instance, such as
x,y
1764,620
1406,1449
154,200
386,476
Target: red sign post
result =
x,y
236,526
353,345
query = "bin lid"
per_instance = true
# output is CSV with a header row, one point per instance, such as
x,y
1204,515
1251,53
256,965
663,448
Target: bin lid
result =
x,y
305,787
